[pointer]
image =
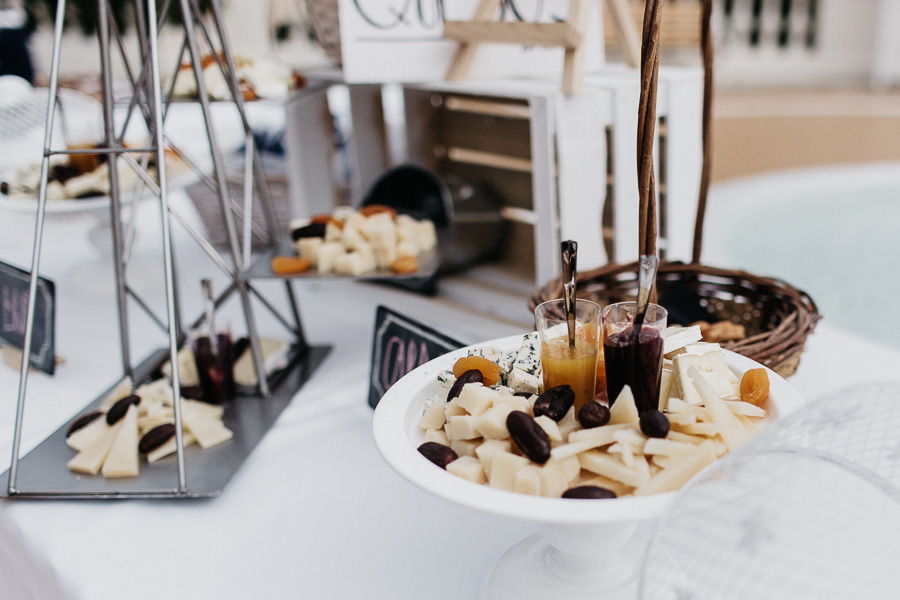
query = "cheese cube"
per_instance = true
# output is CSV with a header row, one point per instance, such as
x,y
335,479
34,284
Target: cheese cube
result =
x,y
122,460
453,409
487,449
465,447
352,263
434,416
514,402
438,436
467,467
528,480
381,231
309,248
407,248
384,256
521,381
476,398
356,221
550,427
492,424
722,379
676,338
426,235
462,428
351,238
557,476
504,467
327,255
333,233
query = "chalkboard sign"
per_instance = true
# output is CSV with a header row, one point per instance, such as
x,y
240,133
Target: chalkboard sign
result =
x,y
399,345
14,310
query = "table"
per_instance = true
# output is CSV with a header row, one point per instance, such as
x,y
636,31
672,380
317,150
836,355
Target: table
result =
x,y
314,512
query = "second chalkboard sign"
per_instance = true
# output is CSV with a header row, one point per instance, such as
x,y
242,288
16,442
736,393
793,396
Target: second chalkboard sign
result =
x,y
399,345
14,310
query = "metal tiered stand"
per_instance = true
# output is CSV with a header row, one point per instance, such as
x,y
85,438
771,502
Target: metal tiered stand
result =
x,y
42,473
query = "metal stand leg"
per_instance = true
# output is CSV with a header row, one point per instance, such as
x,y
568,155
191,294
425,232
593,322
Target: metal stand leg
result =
x,y
224,199
36,248
115,206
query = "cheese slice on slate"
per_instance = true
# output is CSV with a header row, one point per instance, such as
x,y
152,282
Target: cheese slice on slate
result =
x,y
119,391
122,460
274,353
169,448
187,368
88,434
208,432
91,458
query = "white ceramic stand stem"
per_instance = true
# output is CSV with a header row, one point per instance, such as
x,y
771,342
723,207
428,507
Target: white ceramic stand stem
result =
x,y
568,561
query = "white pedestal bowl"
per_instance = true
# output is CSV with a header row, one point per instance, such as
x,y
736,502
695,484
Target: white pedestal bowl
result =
x,y
585,548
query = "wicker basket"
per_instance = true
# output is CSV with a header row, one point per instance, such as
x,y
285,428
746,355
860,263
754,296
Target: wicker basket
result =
x,y
777,316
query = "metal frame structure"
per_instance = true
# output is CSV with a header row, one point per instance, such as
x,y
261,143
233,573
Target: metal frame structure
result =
x,y
151,103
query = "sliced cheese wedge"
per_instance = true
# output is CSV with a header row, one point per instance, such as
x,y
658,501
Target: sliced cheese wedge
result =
x,y
679,471
119,391
122,460
91,458
608,466
623,409
88,434
169,448
275,356
208,432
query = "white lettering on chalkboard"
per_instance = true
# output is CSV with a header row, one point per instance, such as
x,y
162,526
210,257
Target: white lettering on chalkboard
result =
x,y
14,310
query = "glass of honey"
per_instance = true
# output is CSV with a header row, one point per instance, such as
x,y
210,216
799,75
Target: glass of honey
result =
x,y
633,360
564,363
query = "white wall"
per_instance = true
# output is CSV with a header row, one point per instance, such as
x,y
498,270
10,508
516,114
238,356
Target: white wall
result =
x,y
245,20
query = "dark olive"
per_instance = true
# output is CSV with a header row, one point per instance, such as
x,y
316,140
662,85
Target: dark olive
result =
x,y
308,231
593,414
555,402
83,421
531,439
118,410
156,437
589,492
470,376
654,424
439,454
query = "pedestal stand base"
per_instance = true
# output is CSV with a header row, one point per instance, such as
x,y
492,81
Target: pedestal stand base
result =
x,y
571,563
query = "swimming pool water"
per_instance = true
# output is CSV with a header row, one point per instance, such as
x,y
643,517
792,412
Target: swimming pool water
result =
x,y
836,239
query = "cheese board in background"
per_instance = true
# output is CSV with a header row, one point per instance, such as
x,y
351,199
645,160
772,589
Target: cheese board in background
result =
x,y
43,472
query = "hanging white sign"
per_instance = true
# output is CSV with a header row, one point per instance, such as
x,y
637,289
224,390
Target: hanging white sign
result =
x,y
402,40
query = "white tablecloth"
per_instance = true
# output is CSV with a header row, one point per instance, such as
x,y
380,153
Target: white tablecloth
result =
x,y
314,512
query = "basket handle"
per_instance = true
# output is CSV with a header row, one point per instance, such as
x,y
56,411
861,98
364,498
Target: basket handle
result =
x,y
706,48
646,127
647,220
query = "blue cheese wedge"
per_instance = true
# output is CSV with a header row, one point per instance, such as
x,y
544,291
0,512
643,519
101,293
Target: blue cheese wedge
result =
x,y
528,357
522,381
445,381
122,460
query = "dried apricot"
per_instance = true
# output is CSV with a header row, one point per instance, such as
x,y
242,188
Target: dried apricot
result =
x,y
489,370
322,218
374,209
405,265
336,223
755,386
290,265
